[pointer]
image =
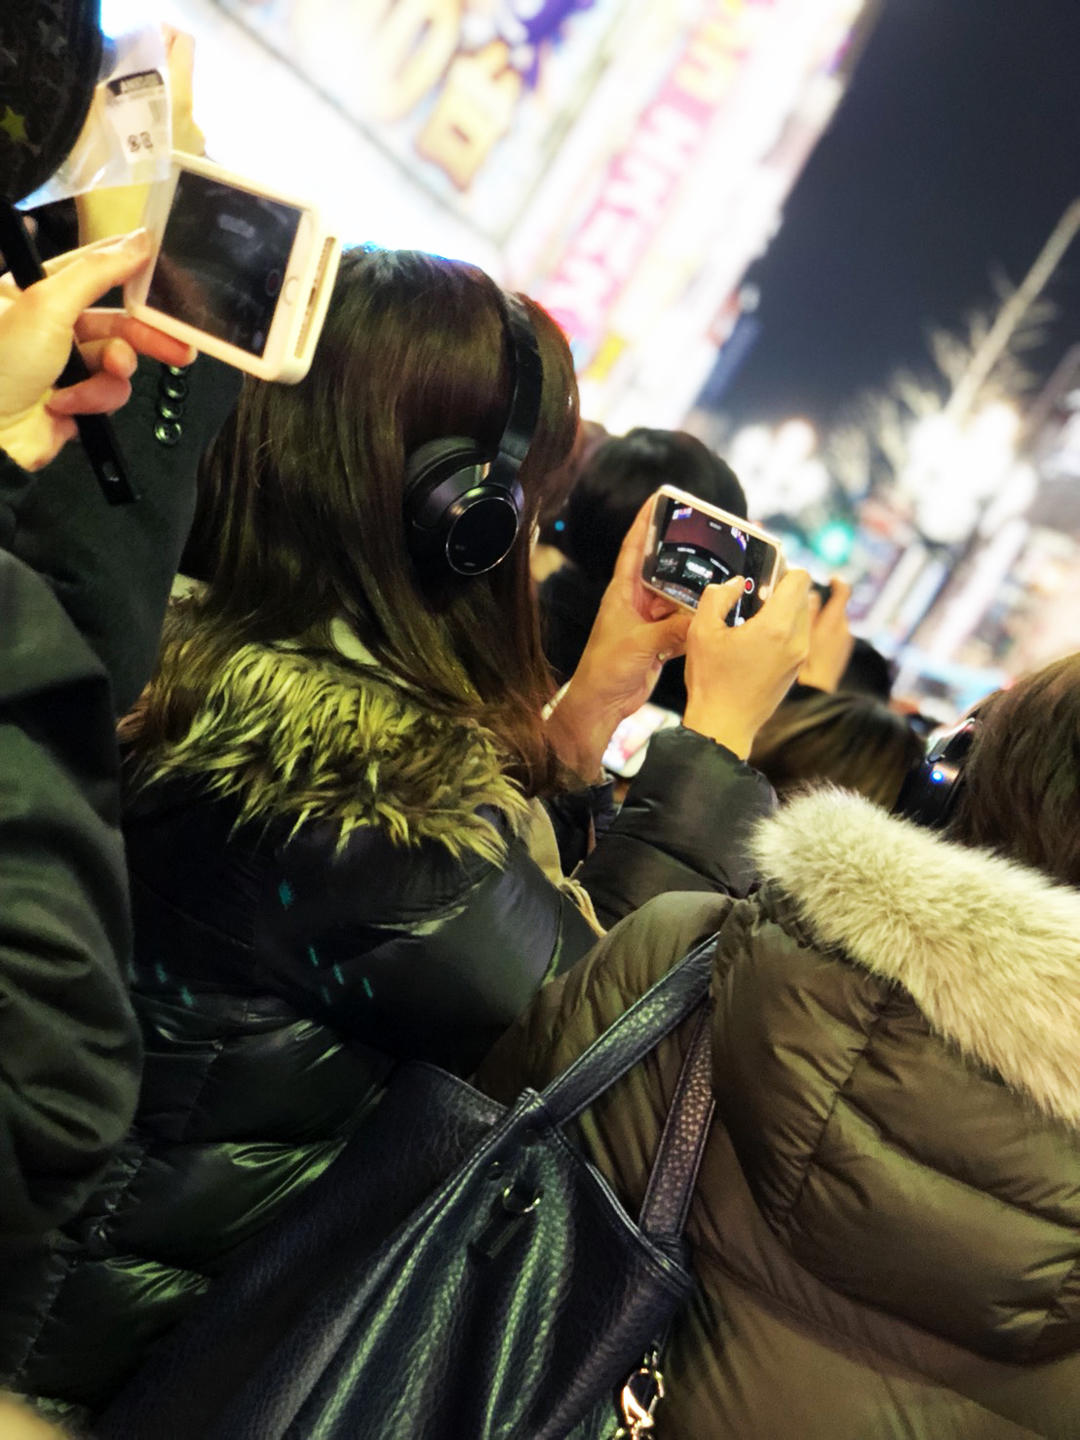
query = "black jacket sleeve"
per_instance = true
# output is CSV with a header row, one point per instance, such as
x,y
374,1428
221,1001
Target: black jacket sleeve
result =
x,y
78,640
69,1048
112,566
579,818
683,826
432,962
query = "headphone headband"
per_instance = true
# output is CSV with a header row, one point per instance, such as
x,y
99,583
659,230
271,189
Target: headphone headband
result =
x,y
463,506
527,371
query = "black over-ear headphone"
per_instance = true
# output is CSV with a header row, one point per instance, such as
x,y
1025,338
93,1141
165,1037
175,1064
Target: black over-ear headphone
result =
x,y
463,506
930,791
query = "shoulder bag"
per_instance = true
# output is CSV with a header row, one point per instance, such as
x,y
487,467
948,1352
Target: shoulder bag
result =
x,y
460,1272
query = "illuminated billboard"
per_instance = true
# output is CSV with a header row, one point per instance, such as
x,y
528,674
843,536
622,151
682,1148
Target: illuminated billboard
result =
x,y
472,97
644,276
624,161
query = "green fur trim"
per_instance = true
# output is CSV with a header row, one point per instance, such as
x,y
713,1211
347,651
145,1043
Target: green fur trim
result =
x,y
292,734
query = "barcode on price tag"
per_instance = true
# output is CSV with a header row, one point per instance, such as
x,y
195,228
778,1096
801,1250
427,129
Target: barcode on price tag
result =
x,y
139,112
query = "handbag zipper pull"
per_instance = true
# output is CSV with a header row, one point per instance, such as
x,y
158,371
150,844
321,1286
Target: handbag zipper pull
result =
x,y
510,1210
640,1396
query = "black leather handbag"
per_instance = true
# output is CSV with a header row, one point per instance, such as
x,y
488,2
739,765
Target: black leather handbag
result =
x,y
460,1272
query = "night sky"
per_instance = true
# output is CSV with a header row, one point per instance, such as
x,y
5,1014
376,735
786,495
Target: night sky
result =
x,y
956,147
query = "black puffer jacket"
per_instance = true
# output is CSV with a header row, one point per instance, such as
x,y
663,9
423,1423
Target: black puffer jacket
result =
x,y
278,973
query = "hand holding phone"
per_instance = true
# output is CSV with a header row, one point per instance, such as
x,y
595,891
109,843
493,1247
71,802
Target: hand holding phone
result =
x,y
831,640
736,677
240,272
36,329
633,633
692,545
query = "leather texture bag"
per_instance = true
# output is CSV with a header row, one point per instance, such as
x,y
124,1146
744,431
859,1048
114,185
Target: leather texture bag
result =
x,y
459,1273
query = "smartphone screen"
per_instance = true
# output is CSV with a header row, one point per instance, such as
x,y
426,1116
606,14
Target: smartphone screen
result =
x,y
695,549
223,259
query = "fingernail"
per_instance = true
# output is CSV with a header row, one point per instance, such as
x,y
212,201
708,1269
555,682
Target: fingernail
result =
x,y
121,244
134,240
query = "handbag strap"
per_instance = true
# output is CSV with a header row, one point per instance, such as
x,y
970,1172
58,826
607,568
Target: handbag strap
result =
x,y
663,1007
682,1142
664,1211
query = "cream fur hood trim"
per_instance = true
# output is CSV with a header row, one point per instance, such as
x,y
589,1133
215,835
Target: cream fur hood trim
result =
x,y
989,950
324,736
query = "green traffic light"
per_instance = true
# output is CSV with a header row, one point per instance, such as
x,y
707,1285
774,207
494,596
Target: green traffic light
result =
x,y
834,541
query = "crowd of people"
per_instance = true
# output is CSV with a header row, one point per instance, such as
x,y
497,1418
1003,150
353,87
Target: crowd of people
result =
x,y
285,799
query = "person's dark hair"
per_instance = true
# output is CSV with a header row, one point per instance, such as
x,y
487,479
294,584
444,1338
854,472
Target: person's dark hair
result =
x,y
867,672
848,740
620,476
300,508
1021,793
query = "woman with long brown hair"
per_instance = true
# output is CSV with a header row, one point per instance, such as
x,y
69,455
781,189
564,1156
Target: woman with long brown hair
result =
x,y
337,847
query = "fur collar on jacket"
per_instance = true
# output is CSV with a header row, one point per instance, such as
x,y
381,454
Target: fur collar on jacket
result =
x,y
328,735
989,950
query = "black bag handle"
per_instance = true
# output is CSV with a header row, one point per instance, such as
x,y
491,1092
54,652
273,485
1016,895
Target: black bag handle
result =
x,y
682,1143
663,1007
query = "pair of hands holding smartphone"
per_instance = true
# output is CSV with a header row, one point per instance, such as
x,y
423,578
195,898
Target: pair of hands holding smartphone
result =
x,y
735,676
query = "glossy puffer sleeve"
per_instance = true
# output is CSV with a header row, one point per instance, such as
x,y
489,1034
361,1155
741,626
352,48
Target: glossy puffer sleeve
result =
x,y
416,952
69,1048
683,826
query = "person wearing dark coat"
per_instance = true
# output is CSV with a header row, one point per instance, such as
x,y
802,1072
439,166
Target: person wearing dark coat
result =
x,y
69,1046
69,1043
338,853
886,1226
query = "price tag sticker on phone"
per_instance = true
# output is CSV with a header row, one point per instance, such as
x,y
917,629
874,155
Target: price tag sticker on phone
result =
x,y
138,109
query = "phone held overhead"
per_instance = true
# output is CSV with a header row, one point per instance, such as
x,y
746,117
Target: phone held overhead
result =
x,y
242,272
692,545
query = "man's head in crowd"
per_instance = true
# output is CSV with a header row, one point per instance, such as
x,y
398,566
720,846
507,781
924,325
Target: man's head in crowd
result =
x,y
619,477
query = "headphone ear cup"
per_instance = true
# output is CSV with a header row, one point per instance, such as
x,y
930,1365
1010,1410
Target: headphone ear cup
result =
x,y
453,515
932,788
427,468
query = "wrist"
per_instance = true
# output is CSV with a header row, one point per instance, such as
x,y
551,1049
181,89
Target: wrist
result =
x,y
579,732
727,729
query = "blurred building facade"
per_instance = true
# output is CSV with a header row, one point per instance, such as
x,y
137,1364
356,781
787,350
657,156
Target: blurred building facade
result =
x,y
624,161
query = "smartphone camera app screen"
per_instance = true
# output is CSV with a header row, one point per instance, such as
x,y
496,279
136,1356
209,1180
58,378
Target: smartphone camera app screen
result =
x,y
223,259
694,550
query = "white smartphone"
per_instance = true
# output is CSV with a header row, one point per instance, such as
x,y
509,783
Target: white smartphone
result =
x,y
692,545
625,753
239,271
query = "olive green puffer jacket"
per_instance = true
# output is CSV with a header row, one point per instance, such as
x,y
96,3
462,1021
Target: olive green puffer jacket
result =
x,y
886,1227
